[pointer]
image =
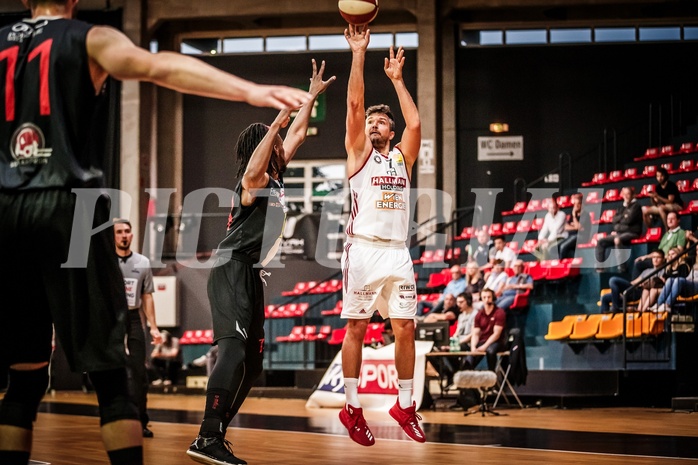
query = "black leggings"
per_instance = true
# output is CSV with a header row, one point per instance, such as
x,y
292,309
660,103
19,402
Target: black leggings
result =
x,y
238,366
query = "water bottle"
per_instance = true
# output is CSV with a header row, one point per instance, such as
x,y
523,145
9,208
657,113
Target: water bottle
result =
x,y
455,344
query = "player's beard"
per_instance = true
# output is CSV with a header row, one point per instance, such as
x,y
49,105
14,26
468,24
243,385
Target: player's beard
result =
x,y
378,141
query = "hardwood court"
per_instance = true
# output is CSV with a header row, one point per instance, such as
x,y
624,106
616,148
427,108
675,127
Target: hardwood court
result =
x,y
283,431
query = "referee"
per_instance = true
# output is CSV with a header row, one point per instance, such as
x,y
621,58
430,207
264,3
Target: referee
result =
x,y
138,281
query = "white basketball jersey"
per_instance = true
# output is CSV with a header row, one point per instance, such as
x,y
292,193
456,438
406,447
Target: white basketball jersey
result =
x,y
380,198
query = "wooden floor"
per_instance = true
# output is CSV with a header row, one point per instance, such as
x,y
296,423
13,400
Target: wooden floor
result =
x,y
283,431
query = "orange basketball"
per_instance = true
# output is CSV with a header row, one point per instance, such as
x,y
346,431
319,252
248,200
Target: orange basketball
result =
x,y
358,12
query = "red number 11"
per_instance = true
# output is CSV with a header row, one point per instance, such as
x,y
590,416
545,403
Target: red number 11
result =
x,y
43,51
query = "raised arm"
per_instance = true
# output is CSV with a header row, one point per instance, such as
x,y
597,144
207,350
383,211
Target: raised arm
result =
x,y
256,176
412,137
358,146
299,128
112,53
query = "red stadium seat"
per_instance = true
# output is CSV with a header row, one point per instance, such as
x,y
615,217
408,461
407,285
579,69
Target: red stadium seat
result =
x,y
616,176
519,208
606,217
593,197
496,229
687,147
529,245
666,151
692,207
646,190
466,233
324,333
534,205
523,226
295,335
509,227
537,224
649,171
652,235
374,333
337,310
683,185
337,336
513,245
612,195
686,165
594,240
631,173
652,152
564,201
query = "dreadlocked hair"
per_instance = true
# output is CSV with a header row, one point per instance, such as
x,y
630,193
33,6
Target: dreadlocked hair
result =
x,y
248,140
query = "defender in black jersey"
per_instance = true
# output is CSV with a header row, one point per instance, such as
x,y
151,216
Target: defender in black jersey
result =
x,y
52,74
235,288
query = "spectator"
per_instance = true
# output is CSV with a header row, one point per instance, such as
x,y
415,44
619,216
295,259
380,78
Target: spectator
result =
x,y
473,280
578,228
627,225
674,287
501,252
618,285
673,237
496,279
552,232
520,282
488,335
480,251
454,287
465,320
447,312
167,360
665,198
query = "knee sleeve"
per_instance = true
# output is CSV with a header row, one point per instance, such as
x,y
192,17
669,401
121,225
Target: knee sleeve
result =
x,y
115,400
24,394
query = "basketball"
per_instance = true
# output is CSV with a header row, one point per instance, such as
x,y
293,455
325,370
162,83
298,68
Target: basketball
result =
x,y
358,12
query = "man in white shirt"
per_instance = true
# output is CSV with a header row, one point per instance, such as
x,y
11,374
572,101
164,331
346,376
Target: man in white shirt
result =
x,y
552,231
501,252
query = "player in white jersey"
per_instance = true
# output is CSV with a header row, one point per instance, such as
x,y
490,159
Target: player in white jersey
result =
x,y
376,263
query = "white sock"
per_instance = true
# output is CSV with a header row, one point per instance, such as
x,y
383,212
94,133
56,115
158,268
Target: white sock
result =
x,y
404,392
351,390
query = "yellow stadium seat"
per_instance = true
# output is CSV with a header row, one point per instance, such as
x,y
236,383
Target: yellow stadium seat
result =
x,y
562,329
588,328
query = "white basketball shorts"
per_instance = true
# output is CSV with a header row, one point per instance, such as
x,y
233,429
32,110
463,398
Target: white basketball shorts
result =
x,y
378,278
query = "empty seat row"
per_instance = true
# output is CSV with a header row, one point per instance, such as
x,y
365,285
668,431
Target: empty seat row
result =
x,y
286,311
314,287
306,333
635,173
668,151
196,336
606,326
440,255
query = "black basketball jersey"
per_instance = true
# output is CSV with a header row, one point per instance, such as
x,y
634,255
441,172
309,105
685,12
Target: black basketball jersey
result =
x,y
47,106
255,230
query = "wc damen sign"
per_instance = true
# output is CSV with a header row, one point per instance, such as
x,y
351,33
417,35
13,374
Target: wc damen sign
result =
x,y
500,148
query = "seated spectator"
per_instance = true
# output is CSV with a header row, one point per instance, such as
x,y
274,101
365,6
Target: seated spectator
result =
x,y
454,287
465,320
673,237
495,280
665,198
501,252
578,228
618,285
488,334
167,360
676,286
473,280
448,311
627,225
480,251
520,282
552,232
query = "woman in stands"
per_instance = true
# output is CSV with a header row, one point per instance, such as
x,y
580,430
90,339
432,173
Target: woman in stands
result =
x,y
473,279
679,280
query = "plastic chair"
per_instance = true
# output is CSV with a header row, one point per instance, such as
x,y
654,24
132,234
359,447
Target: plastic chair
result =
x,y
686,165
616,176
649,172
666,151
523,226
606,216
558,330
496,229
651,235
588,328
374,333
687,147
337,336
519,208
534,205
509,227
529,245
612,195
296,334
631,173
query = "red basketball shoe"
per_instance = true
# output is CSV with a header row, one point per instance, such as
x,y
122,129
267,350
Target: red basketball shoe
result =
x,y
353,420
409,420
